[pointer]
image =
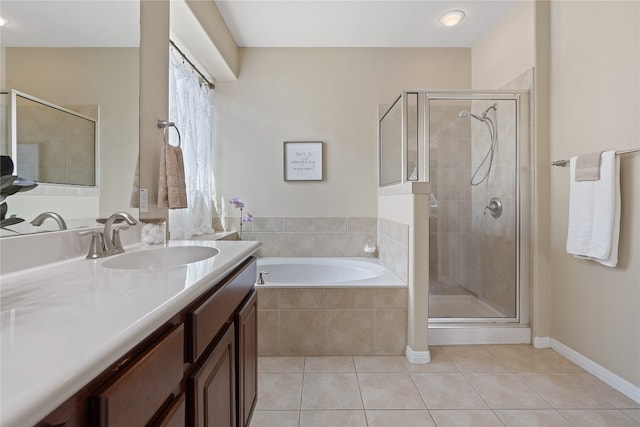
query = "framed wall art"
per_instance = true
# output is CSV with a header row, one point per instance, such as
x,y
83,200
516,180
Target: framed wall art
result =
x,y
303,160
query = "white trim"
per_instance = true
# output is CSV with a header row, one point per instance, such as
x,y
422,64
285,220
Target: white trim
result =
x,y
623,386
417,357
455,335
413,187
542,342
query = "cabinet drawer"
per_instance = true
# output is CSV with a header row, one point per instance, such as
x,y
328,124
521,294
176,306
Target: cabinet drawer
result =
x,y
137,394
208,319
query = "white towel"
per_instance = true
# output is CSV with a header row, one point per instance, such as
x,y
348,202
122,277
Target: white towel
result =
x,y
594,213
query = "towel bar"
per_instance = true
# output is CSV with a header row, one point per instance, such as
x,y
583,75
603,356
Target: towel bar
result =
x,y
564,163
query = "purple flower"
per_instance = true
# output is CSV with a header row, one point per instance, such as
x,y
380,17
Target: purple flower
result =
x,y
247,218
236,202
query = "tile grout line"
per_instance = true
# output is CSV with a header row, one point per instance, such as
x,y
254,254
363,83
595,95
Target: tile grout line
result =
x,y
364,409
304,371
426,406
493,411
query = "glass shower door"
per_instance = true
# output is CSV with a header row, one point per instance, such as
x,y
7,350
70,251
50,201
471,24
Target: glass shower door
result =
x,y
473,156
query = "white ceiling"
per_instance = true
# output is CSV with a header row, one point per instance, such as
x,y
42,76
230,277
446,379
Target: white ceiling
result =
x,y
71,23
260,23
357,23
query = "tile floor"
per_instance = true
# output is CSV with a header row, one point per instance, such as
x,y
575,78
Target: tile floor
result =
x,y
480,385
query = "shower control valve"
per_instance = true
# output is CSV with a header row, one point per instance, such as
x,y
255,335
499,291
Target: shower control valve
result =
x,y
494,207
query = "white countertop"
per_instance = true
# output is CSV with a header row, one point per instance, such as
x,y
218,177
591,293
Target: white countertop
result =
x,y
65,323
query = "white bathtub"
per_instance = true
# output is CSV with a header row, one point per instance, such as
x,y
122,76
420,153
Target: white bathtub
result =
x,y
317,272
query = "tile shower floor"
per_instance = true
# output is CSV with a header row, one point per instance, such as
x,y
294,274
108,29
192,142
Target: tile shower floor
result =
x,y
480,385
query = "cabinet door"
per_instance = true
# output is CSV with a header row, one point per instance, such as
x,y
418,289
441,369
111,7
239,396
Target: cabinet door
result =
x,y
247,339
211,388
175,416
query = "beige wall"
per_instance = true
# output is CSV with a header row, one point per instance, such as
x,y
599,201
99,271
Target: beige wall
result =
x,y
154,95
516,45
595,105
409,214
3,62
506,50
107,77
328,95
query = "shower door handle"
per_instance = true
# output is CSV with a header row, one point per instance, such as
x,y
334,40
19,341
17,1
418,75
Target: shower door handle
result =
x,y
494,207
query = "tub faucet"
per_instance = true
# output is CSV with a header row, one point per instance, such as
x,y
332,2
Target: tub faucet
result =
x,y
111,232
260,278
37,221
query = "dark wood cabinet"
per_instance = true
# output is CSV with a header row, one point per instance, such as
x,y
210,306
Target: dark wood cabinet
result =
x,y
247,358
175,415
199,369
212,386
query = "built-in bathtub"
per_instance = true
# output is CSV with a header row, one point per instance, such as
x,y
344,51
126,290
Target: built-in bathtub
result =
x,y
317,272
329,307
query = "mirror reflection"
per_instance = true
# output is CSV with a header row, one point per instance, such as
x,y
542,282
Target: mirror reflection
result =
x,y
49,143
83,57
390,147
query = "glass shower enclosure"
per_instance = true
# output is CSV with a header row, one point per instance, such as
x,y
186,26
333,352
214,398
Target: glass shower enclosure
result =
x,y
473,150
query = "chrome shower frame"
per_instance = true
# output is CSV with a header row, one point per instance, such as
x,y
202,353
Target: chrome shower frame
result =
x,y
523,184
523,194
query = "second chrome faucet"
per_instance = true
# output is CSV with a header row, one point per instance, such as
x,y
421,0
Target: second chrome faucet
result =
x,y
112,229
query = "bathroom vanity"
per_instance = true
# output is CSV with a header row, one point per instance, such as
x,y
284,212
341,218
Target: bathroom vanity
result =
x,y
84,344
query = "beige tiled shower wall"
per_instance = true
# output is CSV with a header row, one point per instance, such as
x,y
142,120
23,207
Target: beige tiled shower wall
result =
x,y
64,145
495,265
309,236
451,243
332,322
393,246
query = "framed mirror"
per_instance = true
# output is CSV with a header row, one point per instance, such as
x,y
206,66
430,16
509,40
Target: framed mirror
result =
x,y
82,56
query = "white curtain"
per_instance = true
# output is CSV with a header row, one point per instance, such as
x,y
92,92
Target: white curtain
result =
x,y
190,108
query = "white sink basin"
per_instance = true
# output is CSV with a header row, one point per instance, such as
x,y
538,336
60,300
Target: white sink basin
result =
x,y
160,258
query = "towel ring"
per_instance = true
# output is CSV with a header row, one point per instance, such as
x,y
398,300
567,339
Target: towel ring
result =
x,y
165,125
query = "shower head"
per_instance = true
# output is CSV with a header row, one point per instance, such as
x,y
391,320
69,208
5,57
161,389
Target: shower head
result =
x,y
482,117
465,113
491,107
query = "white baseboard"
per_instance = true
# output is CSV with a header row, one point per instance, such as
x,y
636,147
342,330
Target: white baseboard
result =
x,y
456,335
541,342
417,357
623,386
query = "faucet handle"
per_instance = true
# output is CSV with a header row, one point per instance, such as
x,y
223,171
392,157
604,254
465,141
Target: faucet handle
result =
x,y
115,237
97,249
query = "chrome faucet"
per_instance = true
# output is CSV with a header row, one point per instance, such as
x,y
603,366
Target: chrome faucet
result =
x,y
37,221
111,232
260,280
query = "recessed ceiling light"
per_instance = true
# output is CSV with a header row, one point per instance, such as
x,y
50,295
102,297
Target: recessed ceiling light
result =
x,y
451,18
4,20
